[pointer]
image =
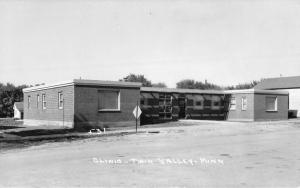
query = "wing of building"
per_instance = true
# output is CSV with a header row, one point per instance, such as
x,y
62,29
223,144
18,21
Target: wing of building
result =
x,y
290,84
81,104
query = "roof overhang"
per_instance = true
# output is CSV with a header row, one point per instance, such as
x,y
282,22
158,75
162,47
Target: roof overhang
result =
x,y
257,91
80,82
183,91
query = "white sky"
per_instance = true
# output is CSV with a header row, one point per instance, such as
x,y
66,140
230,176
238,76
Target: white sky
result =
x,y
224,41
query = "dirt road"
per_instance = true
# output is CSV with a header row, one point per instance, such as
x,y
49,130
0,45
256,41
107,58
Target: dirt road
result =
x,y
208,155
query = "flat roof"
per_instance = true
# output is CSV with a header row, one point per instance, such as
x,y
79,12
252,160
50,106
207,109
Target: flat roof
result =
x,y
256,91
175,90
81,82
199,91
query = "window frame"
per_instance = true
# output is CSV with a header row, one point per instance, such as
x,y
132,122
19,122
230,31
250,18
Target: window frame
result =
x,y
198,101
44,102
215,102
60,100
231,102
244,103
119,100
275,105
37,100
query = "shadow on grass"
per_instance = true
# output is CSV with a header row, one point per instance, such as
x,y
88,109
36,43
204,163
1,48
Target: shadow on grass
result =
x,y
9,127
40,132
6,145
20,144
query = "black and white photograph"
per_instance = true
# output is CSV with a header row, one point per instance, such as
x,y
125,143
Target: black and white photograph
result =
x,y
150,93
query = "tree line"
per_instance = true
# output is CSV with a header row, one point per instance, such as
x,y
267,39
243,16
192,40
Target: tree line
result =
x,y
187,83
9,93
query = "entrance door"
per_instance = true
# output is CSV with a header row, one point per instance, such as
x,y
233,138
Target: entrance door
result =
x,y
181,104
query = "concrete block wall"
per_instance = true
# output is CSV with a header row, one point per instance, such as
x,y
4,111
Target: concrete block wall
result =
x,y
52,115
256,108
86,108
242,115
260,108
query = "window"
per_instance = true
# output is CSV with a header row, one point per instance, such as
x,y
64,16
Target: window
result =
x,y
271,103
29,100
216,103
232,103
37,100
153,101
198,103
181,103
189,102
108,100
44,101
207,103
174,101
60,100
244,103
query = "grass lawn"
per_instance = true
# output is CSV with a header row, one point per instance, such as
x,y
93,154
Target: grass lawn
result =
x,y
10,123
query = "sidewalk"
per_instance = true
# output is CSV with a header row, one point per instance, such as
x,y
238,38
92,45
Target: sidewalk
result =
x,y
51,133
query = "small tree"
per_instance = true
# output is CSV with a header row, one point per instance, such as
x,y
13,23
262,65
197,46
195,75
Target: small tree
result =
x,y
186,84
244,85
137,78
192,84
159,84
9,94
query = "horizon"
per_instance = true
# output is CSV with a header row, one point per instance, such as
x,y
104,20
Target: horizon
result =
x,y
224,42
62,81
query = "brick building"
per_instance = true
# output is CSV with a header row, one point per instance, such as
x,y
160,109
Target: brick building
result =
x,y
81,104
85,104
254,105
290,84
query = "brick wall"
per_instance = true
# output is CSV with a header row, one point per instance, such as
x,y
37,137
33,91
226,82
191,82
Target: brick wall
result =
x,y
86,108
260,108
256,108
52,115
238,113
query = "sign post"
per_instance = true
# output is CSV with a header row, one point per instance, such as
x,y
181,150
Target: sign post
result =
x,y
136,116
137,112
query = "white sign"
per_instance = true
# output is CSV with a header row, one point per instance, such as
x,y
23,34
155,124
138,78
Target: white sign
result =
x,y
137,112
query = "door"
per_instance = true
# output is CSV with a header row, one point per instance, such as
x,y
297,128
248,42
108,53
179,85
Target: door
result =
x,y
181,104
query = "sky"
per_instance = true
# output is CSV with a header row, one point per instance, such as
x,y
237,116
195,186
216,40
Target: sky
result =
x,y
225,42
